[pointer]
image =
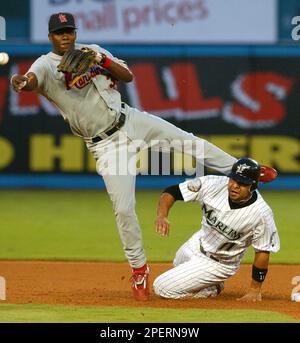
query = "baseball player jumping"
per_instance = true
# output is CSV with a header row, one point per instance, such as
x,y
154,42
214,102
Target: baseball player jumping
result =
x,y
80,80
234,216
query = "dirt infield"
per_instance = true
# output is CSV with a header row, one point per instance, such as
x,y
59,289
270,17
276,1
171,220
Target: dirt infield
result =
x,y
95,283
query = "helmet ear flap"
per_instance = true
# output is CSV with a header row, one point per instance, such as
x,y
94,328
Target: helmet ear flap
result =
x,y
254,187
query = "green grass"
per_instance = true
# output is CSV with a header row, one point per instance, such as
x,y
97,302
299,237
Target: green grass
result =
x,y
80,225
78,314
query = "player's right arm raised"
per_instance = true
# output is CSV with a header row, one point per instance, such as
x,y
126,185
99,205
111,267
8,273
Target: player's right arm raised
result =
x,y
27,82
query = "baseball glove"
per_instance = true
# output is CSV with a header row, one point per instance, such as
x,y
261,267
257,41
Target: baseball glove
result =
x,y
76,62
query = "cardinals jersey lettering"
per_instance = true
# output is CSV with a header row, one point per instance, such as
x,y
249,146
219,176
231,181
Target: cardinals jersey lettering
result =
x,y
92,105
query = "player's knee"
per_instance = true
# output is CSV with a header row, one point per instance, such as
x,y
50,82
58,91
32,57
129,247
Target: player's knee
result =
x,y
124,211
157,286
178,260
161,288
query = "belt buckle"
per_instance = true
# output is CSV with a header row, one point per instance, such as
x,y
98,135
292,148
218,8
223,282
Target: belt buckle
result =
x,y
118,124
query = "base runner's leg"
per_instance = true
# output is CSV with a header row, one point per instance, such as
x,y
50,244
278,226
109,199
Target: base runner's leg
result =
x,y
189,278
184,254
194,275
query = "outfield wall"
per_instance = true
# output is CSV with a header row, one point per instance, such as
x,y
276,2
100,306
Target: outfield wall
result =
x,y
244,99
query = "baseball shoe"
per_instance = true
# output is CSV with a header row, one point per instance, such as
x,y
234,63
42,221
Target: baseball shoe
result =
x,y
211,291
140,283
267,174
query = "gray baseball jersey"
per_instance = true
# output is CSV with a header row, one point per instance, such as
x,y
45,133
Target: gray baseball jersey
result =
x,y
213,253
91,105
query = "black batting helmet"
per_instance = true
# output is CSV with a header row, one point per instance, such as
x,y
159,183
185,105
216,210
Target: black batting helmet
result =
x,y
246,171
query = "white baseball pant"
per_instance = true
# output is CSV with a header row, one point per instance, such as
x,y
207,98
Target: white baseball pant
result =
x,y
194,274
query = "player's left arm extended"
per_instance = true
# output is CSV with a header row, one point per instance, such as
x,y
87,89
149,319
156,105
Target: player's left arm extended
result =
x,y
259,272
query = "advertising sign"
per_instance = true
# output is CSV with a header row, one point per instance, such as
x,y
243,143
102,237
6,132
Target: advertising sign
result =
x,y
162,21
249,106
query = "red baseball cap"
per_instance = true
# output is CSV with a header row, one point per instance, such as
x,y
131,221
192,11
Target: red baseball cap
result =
x,y
59,21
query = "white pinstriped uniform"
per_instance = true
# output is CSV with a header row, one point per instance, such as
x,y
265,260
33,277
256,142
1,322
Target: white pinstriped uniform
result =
x,y
225,235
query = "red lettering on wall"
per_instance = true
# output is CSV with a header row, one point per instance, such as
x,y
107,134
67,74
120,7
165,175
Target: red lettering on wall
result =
x,y
259,98
175,90
190,91
149,88
189,98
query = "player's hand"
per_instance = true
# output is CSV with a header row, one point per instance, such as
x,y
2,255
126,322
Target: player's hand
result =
x,y
18,82
252,295
162,226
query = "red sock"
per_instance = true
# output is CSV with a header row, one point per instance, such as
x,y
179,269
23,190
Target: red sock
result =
x,y
140,270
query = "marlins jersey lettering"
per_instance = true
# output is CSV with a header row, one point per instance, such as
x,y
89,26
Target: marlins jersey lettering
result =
x,y
227,232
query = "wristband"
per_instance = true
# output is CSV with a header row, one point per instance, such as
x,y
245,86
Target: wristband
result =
x,y
258,274
106,62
